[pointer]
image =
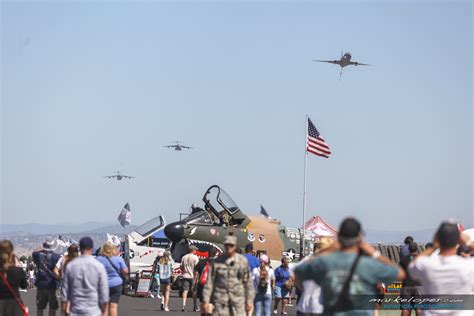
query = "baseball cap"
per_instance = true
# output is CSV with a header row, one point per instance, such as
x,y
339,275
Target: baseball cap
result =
x,y
86,243
192,247
249,247
350,228
448,235
230,240
48,245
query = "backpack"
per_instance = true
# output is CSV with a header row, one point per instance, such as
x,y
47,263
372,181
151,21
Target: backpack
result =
x,y
204,274
262,286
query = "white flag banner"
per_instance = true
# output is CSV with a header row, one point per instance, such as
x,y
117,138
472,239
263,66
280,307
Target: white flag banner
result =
x,y
114,239
125,216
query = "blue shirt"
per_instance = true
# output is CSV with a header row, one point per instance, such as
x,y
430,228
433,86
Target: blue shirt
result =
x,y
85,285
113,276
281,276
253,261
404,251
165,270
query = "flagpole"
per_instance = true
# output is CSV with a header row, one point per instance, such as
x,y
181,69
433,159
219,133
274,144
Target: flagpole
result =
x,y
304,188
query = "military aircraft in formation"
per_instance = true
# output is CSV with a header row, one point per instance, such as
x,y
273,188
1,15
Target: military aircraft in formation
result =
x,y
178,146
206,227
119,176
343,62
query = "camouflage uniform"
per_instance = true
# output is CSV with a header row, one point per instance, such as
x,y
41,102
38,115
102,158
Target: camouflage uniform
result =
x,y
229,286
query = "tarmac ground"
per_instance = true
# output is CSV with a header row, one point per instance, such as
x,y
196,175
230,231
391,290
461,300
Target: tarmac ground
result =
x,y
136,305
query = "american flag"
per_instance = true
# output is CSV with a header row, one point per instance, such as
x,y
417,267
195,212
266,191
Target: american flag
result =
x,y
125,216
315,144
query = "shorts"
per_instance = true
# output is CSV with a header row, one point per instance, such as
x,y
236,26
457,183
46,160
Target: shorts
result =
x,y
199,292
410,291
281,292
9,306
45,296
115,293
165,281
187,284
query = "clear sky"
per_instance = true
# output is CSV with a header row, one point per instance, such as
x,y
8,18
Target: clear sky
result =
x,y
94,87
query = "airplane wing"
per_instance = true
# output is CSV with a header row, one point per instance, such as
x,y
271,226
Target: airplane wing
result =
x,y
187,147
170,146
109,177
355,63
336,62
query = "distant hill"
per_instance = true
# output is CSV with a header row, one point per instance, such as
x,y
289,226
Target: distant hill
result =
x,y
83,228
397,237
111,229
95,228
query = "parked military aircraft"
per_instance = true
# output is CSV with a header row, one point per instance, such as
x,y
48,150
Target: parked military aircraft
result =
x,y
178,146
119,176
206,227
145,243
343,62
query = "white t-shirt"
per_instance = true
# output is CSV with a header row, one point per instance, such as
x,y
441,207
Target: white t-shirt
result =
x,y
188,263
444,275
310,301
270,278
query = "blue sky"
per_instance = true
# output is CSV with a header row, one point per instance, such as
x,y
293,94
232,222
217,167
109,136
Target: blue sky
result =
x,y
89,88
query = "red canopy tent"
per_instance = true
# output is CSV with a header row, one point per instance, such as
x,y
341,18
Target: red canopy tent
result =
x,y
320,228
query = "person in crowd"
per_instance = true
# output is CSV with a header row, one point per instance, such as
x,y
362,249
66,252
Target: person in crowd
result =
x,y
165,270
188,263
155,283
445,273
46,281
251,258
353,266
283,285
12,279
404,248
263,282
309,299
201,273
31,276
85,287
463,251
72,253
117,273
429,245
410,286
229,287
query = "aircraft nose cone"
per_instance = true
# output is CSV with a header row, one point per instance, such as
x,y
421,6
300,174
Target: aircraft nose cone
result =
x,y
174,231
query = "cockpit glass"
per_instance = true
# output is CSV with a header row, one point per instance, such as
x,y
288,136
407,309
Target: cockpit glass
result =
x,y
212,198
220,200
226,201
201,217
151,226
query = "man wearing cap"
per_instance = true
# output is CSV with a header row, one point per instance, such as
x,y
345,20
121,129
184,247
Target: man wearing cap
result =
x,y
444,273
188,263
252,260
229,287
46,281
333,272
85,288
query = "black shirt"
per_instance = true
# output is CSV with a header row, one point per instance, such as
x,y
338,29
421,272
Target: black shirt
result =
x,y
200,267
409,281
16,277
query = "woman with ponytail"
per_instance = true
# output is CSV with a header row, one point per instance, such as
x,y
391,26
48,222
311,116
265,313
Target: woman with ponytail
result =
x,y
11,279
